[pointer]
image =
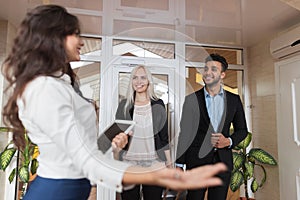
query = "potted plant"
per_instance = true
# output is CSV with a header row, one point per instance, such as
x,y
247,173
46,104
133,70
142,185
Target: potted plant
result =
x,y
27,163
244,162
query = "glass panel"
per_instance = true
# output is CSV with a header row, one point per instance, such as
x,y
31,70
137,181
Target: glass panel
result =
x,y
233,56
134,29
89,78
90,24
193,80
153,4
211,35
232,82
199,53
143,49
92,46
91,5
226,14
160,86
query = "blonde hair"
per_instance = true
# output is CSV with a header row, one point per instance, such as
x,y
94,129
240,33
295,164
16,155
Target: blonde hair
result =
x,y
130,91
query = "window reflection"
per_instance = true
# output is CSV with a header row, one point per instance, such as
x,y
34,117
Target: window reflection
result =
x,y
146,4
89,78
143,49
199,53
232,81
91,47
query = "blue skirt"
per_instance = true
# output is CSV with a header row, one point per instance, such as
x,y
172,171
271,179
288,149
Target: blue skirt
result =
x,y
58,189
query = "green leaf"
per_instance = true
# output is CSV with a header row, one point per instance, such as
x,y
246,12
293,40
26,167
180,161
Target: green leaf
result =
x,y
12,175
238,160
262,156
236,180
6,157
264,178
237,148
231,130
4,129
34,166
24,174
245,143
254,185
251,159
249,169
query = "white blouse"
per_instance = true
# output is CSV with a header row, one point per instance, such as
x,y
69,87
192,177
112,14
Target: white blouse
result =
x,y
63,125
142,146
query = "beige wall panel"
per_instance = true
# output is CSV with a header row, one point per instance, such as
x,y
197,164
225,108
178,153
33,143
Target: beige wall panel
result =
x,y
262,89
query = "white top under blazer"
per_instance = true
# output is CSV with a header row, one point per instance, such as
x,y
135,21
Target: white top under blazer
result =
x,y
64,127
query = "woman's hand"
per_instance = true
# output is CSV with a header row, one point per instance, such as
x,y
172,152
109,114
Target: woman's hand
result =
x,y
199,177
169,164
119,142
175,179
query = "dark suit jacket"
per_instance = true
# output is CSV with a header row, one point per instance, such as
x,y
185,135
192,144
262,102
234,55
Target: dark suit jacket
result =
x,y
194,146
160,124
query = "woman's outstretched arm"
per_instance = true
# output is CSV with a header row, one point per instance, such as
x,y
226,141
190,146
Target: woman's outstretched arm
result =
x,y
175,179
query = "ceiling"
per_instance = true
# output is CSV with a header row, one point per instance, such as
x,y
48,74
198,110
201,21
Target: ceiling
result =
x,y
223,22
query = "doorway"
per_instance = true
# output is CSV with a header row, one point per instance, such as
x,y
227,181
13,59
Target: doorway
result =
x,y
288,121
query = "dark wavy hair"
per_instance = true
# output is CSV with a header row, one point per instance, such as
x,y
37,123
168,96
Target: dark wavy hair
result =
x,y
37,50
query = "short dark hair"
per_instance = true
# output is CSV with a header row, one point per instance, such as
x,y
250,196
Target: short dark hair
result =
x,y
219,58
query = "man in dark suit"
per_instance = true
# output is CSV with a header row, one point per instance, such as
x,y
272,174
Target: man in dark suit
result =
x,y
205,123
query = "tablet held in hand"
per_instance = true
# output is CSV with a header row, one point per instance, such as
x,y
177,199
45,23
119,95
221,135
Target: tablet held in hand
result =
x,y
118,126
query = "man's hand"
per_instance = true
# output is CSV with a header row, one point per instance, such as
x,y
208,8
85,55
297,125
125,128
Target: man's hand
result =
x,y
219,141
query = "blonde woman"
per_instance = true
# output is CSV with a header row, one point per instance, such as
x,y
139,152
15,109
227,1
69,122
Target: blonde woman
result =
x,y
149,143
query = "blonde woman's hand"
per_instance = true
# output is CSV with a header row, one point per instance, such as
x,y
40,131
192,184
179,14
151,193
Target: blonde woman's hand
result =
x,y
169,164
119,142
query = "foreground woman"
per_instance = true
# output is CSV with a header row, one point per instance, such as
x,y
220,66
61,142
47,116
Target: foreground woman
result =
x,y
43,100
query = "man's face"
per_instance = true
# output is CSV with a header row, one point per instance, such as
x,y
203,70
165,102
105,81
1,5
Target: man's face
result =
x,y
212,73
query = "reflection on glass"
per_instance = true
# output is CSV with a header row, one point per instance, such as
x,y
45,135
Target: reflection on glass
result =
x,y
92,46
136,29
91,5
232,81
143,49
199,53
153,4
89,78
90,24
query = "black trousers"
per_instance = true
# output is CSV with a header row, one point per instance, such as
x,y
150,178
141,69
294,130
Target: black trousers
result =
x,y
214,193
149,193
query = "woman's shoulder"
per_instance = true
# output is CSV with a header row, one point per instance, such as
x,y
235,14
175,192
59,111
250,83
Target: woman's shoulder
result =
x,y
50,80
47,84
157,101
122,102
